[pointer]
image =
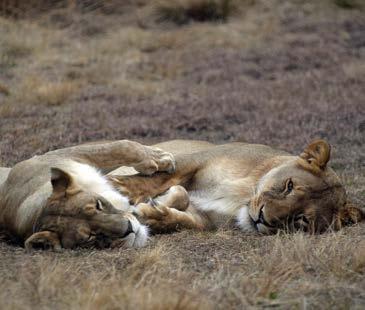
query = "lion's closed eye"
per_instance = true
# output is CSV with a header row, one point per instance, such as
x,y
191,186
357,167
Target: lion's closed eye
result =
x,y
289,186
99,205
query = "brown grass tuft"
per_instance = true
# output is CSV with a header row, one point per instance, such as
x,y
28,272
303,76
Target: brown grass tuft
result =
x,y
50,93
35,90
4,90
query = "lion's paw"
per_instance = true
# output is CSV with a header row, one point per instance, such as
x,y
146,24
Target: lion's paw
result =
x,y
151,211
156,160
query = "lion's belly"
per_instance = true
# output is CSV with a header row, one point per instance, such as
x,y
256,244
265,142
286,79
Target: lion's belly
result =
x,y
219,210
30,208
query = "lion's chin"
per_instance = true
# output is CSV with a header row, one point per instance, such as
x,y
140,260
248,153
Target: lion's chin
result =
x,y
244,221
139,238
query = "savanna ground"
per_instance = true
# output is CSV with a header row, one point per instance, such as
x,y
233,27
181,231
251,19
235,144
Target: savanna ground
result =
x,y
273,72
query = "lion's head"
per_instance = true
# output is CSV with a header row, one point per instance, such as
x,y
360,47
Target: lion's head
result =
x,y
303,194
74,217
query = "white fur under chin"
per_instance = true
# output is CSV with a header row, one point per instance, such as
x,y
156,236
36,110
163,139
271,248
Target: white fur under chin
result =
x,y
244,221
90,179
139,238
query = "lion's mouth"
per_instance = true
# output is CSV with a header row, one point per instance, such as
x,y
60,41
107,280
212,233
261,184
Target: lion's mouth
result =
x,y
261,220
253,223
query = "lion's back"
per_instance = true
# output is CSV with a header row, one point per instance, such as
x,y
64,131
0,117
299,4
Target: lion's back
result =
x,y
4,172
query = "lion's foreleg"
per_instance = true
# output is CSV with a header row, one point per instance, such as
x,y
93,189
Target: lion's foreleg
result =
x,y
169,212
111,155
162,219
139,188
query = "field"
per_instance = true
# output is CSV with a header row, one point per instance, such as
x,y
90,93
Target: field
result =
x,y
274,72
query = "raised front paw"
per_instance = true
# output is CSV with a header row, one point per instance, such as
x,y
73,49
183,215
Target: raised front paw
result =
x,y
156,160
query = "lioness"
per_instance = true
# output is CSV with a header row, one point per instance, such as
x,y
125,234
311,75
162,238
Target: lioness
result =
x,y
255,187
60,199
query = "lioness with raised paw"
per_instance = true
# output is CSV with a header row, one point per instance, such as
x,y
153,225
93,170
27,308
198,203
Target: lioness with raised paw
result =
x,y
254,187
60,199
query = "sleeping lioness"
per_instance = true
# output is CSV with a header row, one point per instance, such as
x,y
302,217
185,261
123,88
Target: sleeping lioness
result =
x,y
255,187
60,199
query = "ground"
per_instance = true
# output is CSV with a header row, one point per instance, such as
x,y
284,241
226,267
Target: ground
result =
x,y
274,72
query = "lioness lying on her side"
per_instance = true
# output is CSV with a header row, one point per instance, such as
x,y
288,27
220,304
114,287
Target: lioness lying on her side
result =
x,y
60,200
255,187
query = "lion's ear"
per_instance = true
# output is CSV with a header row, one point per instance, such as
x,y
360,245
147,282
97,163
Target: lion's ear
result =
x,y
348,215
61,181
316,155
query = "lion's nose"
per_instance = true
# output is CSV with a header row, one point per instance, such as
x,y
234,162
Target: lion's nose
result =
x,y
261,218
129,229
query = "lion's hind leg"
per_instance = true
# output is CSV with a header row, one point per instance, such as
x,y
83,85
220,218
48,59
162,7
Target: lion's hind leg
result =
x,y
169,212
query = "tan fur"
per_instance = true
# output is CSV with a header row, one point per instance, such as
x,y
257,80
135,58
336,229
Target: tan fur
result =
x,y
248,185
169,212
48,202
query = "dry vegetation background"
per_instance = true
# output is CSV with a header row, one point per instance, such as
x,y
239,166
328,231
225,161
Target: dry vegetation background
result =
x,y
273,72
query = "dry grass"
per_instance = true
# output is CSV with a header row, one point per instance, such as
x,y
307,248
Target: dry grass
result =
x,y
187,271
65,281
41,91
278,73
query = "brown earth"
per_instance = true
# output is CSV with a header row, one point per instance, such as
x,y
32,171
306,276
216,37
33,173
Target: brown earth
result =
x,y
276,72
